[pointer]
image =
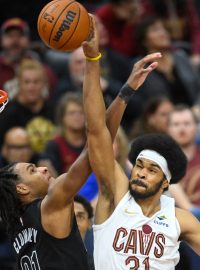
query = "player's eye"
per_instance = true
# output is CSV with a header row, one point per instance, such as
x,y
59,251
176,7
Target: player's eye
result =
x,y
138,166
152,170
32,169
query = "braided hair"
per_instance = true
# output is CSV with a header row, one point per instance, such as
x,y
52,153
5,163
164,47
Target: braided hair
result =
x,y
10,204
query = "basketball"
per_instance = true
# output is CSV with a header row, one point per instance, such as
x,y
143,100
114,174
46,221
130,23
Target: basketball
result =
x,y
63,25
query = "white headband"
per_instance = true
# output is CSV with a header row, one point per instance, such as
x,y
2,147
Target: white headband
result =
x,y
157,158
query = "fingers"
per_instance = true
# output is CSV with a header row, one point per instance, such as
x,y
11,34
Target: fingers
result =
x,y
93,24
151,67
151,57
148,58
154,65
91,45
92,28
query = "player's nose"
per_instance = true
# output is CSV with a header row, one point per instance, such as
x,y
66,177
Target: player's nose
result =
x,y
43,170
142,173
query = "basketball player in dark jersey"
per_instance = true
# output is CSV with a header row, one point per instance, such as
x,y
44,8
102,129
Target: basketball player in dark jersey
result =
x,y
38,209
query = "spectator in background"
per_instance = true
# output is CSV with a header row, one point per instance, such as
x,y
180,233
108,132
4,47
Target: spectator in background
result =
x,y
72,80
196,111
70,139
30,103
70,68
120,18
182,127
170,79
154,117
115,67
175,77
181,19
15,44
17,148
111,79
84,215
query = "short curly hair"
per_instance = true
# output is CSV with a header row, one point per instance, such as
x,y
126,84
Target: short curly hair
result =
x,y
86,204
165,146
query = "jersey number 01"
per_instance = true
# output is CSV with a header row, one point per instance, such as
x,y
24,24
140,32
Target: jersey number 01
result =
x,y
30,263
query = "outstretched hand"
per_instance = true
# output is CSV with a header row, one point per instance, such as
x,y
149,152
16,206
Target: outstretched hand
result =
x,y
91,46
140,71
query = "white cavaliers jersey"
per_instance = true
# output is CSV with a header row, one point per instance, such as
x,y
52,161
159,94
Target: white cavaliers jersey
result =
x,y
128,240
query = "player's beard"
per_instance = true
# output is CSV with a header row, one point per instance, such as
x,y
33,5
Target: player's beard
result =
x,y
146,194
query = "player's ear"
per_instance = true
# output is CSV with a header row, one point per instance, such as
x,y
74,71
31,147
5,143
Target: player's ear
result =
x,y
22,189
165,184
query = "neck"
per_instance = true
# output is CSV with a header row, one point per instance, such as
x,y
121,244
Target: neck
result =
x,y
75,137
34,106
189,150
150,205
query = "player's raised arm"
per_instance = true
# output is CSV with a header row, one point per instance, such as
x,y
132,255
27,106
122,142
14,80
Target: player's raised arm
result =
x,y
99,139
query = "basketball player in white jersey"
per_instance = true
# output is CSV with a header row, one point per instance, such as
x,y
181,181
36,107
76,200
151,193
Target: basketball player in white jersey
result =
x,y
136,227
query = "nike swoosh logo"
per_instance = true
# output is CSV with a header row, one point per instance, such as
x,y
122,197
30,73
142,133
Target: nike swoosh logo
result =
x,y
129,212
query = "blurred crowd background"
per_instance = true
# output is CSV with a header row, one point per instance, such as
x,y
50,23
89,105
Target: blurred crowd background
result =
x,y
44,120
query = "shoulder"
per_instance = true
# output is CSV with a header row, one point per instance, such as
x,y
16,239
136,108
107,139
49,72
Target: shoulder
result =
x,y
187,220
32,212
181,212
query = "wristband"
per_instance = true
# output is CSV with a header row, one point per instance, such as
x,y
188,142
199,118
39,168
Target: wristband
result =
x,y
94,58
126,92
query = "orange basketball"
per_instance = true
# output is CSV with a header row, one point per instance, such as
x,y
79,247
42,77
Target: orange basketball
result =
x,y
63,24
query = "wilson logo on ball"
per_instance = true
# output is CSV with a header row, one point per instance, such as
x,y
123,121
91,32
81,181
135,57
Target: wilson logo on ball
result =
x,y
66,23
48,17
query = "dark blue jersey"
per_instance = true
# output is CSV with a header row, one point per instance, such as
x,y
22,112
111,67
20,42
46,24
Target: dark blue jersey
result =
x,y
37,250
